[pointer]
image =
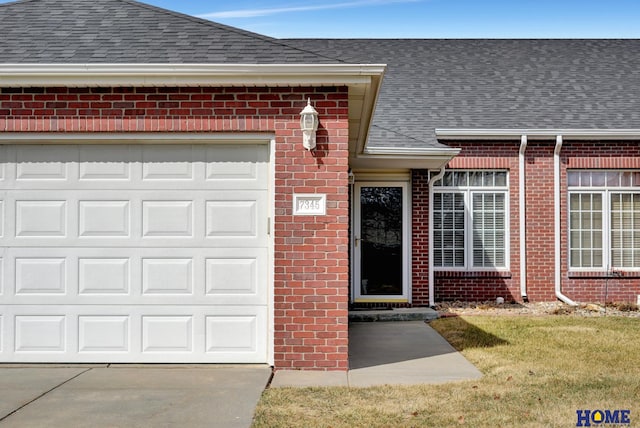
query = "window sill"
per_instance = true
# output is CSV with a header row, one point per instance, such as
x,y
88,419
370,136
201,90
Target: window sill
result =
x,y
472,274
604,275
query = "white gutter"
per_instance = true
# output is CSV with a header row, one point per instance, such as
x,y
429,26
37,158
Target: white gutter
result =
x,y
75,75
402,158
410,151
532,133
523,216
556,201
432,180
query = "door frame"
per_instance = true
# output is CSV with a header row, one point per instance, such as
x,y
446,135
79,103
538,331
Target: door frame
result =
x,y
356,275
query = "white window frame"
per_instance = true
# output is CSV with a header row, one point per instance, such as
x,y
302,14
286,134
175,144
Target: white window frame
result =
x,y
468,192
605,191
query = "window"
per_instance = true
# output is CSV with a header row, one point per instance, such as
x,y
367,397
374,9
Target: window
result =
x,y
469,220
604,220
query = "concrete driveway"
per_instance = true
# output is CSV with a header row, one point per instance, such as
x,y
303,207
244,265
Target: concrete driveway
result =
x,y
99,396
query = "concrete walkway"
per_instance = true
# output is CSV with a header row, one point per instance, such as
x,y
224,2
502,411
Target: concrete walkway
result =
x,y
130,396
389,353
401,352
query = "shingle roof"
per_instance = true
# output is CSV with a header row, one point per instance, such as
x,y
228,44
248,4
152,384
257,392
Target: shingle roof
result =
x,y
495,84
429,84
125,31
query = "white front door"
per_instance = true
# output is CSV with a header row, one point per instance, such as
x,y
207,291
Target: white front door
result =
x,y
381,247
134,253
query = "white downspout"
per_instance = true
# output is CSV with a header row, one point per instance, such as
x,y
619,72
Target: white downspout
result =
x,y
432,180
523,217
556,201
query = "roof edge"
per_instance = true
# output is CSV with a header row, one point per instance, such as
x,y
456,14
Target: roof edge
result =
x,y
23,75
410,152
542,134
380,158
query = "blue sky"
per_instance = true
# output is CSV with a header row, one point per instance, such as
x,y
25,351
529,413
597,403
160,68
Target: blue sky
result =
x,y
422,18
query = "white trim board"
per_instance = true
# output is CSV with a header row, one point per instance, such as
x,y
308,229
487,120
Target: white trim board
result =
x,y
532,133
76,75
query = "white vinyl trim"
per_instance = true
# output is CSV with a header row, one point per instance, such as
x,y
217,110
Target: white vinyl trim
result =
x,y
75,75
271,263
532,133
410,151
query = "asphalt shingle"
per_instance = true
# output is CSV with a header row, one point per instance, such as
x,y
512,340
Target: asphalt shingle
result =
x,y
429,83
125,31
489,84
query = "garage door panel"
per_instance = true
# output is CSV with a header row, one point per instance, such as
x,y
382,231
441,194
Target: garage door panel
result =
x,y
40,333
104,163
243,165
103,334
3,281
41,276
167,218
156,334
41,218
102,275
2,219
134,253
144,219
170,163
36,165
237,166
138,276
104,218
4,164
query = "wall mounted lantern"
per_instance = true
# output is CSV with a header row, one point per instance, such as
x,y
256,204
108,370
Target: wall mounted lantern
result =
x,y
309,126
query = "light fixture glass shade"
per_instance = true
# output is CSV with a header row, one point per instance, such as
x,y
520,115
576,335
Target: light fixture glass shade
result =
x,y
309,125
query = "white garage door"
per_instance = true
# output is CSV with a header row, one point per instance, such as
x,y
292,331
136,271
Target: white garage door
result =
x,y
134,253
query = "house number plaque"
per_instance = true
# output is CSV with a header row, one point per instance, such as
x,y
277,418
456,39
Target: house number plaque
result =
x,y
309,204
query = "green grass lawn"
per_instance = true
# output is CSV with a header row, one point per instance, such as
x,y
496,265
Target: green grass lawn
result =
x,y
537,372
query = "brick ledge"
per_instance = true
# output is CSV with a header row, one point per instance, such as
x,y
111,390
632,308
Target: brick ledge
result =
x,y
473,274
605,275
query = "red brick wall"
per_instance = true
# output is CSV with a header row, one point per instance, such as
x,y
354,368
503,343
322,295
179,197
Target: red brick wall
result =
x,y
420,238
468,286
591,287
311,260
540,221
540,248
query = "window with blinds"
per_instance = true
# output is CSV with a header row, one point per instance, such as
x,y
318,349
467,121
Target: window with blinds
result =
x,y
604,219
470,220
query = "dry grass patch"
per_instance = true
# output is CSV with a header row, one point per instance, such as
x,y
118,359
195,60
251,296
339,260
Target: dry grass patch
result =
x,y
537,372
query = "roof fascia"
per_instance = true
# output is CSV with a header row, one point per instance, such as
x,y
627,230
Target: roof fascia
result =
x,y
74,75
539,134
403,158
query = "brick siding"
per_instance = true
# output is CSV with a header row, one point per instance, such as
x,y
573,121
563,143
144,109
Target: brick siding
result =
x,y
311,253
540,247
592,287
